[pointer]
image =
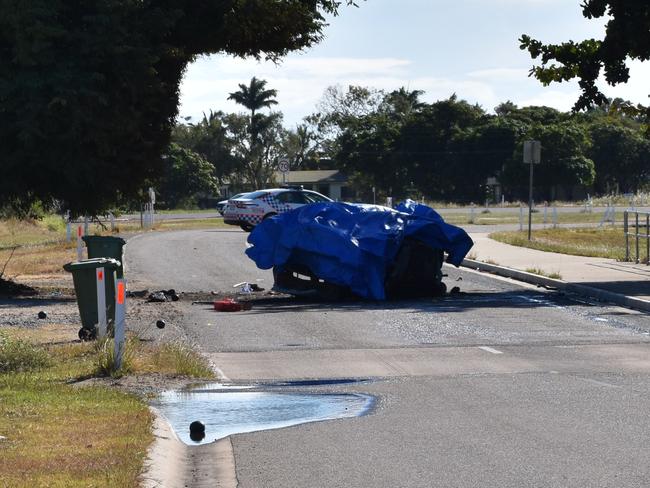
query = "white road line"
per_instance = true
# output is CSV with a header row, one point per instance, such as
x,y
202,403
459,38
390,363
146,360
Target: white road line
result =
x,y
489,349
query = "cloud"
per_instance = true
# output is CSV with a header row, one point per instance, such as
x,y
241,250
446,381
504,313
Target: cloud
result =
x,y
301,81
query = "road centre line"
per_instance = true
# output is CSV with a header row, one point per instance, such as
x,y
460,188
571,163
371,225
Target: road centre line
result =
x,y
490,349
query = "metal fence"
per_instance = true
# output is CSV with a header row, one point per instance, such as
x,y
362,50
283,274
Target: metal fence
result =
x,y
636,225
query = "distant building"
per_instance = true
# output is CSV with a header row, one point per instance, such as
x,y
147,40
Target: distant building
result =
x,y
329,182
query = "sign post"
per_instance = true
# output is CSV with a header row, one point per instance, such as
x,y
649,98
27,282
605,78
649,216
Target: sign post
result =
x,y
120,319
532,155
283,165
101,302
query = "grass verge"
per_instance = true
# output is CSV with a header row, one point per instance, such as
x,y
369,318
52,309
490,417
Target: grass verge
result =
x,y
541,272
61,435
605,243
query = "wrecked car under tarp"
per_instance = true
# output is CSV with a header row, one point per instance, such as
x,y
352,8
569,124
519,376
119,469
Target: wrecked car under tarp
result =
x,y
370,251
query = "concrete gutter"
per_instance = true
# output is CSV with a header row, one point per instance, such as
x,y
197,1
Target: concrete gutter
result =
x,y
576,288
172,464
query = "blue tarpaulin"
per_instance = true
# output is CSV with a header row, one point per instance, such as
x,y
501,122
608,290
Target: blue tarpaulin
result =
x,y
351,244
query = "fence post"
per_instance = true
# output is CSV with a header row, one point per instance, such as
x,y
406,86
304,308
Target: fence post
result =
x,y
647,239
521,217
636,234
554,217
627,237
79,243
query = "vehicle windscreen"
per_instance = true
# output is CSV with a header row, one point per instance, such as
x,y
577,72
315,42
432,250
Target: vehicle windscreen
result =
x,y
253,195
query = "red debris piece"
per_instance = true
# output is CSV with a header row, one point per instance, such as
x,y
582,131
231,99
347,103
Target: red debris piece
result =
x,y
227,305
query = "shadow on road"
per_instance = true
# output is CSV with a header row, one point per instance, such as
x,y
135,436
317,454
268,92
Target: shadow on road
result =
x,y
459,302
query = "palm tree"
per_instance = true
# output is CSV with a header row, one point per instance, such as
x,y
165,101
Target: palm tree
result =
x,y
254,96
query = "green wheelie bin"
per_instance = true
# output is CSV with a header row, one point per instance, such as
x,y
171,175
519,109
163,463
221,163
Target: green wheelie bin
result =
x,y
85,286
106,247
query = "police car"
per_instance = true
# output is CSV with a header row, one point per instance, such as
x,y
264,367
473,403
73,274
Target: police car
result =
x,y
249,210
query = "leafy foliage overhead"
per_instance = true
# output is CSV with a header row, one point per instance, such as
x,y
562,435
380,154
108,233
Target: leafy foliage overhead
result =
x,y
627,37
89,89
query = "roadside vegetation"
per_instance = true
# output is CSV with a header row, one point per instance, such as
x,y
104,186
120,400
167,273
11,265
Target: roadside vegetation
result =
x,y
541,272
58,431
601,242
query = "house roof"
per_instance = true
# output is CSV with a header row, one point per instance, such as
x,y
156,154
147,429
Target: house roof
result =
x,y
314,176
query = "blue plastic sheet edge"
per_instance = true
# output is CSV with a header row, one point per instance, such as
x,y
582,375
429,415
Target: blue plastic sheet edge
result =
x,y
352,244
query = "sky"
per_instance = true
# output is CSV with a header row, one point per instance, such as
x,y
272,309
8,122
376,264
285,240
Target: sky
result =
x,y
466,47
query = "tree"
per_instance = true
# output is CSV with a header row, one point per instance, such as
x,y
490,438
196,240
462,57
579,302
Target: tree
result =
x,y
185,174
89,90
211,139
254,97
621,157
259,145
259,156
627,36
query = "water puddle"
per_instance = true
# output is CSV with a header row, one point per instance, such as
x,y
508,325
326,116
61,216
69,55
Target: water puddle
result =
x,y
224,411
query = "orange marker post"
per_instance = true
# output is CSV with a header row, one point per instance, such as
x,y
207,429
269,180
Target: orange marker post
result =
x,y
100,275
79,243
120,319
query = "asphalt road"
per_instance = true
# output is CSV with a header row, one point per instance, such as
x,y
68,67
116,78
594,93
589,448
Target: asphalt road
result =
x,y
503,385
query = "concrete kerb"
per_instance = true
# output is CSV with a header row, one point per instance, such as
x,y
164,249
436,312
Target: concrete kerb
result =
x,y
576,288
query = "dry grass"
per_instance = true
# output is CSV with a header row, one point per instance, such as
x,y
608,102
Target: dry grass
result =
x,y
605,242
38,260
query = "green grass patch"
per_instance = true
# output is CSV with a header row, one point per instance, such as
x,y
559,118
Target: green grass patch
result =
x,y
17,355
602,242
179,358
541,272
62,434
510,217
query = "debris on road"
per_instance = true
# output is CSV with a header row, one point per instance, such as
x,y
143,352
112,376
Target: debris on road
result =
x,y
231,305
337,250
197,431
163,296
42,315
160,324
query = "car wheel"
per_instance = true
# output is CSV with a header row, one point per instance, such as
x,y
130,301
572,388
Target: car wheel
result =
x,y
247,227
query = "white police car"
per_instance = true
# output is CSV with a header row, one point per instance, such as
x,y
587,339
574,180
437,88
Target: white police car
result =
x,y
249,210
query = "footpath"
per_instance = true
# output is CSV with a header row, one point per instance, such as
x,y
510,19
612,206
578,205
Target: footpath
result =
x,y
625,284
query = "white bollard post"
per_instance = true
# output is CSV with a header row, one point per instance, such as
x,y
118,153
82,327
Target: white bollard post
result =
x,y
521,218
120,321
79,243
100,274
112,217
554,217
86,225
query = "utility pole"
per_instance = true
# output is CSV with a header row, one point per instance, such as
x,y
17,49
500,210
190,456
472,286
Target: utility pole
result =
x,y
532,155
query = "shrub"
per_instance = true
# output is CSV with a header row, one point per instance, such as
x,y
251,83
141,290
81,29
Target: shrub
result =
x,y
105,361
183,360
17,355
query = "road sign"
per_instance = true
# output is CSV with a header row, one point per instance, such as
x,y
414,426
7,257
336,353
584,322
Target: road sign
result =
x,y
532,155
532,152
283,165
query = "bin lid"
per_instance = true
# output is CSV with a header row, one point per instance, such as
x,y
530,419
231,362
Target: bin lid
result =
x,y
92,264
112,239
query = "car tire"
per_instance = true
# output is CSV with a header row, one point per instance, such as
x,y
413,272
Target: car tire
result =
x,y
247,227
